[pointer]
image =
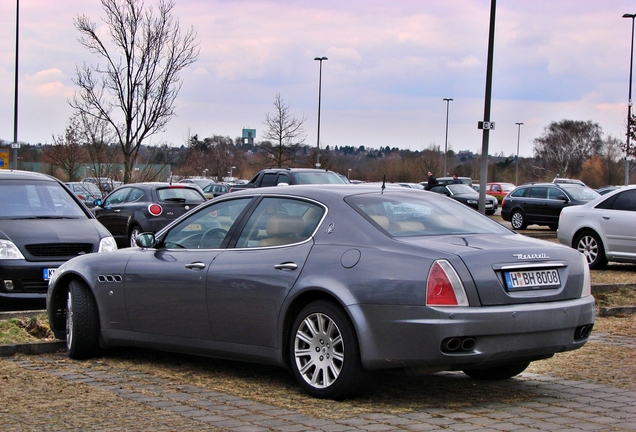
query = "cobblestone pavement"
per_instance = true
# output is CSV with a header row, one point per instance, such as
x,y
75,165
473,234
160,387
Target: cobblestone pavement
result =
x,y
141,401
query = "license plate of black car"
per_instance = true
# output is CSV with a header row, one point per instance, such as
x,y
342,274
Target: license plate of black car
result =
x,y
532,279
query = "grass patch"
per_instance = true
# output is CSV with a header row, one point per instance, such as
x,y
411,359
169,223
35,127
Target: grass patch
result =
x,y
25,329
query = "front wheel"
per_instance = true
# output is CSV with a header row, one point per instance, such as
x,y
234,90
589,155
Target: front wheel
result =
x,y
82,322
325,356
499,372
518,220
134,233
590,245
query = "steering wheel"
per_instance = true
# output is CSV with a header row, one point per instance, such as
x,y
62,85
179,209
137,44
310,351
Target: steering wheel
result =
x,y
212,238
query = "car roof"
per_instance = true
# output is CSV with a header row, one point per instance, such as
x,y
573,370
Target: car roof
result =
x,y
21,175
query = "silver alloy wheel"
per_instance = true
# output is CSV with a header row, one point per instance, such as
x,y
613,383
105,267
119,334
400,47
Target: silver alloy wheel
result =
x,y
319,350
588,246
133,235
69,319
517,220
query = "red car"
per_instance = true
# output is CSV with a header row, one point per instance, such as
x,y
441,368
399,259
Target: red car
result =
x,y
499,190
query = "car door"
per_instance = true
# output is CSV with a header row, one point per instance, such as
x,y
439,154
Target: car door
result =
x,y
618,224
535,204
110,213
166,286
557,199
248,283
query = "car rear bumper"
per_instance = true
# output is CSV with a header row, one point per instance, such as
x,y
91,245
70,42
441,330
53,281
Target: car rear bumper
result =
x,y
418,336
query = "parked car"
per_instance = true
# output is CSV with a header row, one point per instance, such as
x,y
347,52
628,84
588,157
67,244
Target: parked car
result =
x,y
604,229
541,203
332,281
499,190
607,189
291,176
216,189
412,185
106,185
449,180
201,182
561,180
42,225
85,191
467,195
145,207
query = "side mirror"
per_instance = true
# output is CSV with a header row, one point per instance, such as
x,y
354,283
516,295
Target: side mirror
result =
x,y
146,240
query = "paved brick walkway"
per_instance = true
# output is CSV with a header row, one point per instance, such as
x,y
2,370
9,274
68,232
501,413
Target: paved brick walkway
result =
x,y
559,405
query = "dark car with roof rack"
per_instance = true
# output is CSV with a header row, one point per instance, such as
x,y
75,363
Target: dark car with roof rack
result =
x,y
136,208
541,203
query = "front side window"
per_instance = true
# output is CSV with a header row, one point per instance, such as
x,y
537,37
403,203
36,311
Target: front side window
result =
x,y
280,221
207,228
557,194
117,197
625,201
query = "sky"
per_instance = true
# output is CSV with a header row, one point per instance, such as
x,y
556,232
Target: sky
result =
x,y
390,65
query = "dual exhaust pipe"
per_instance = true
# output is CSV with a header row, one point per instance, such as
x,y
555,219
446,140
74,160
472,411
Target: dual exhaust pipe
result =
x,y
458,344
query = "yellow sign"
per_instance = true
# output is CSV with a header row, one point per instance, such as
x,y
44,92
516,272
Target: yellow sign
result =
x,y
4,159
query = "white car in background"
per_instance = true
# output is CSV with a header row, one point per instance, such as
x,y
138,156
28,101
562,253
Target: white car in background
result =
x,y
603,229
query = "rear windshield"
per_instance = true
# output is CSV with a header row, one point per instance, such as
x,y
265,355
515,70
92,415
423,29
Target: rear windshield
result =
x,y
179,194
580,193
37,199
318,178
411,215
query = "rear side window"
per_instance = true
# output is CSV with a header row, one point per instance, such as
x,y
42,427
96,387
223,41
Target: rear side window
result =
x,y
518,193
538,192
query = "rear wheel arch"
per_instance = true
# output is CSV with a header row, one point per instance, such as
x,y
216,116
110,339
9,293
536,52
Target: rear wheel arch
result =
x,y
297,305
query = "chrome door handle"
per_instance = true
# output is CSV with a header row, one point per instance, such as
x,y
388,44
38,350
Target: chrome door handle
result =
x,y
286,266
195,266
116,211
606,217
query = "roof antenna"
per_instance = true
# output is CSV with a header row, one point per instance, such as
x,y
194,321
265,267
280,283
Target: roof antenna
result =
x,y
383,184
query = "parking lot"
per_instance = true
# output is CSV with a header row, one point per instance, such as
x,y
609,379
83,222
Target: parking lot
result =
x,y
141,390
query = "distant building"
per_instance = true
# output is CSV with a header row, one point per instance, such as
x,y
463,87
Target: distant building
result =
x,y
248,136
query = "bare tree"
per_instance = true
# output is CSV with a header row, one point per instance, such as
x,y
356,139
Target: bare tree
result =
x,y
285,134
134,93
67,151
565,145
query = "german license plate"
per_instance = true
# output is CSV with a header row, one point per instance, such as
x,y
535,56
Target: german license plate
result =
x,y
48,272
531,279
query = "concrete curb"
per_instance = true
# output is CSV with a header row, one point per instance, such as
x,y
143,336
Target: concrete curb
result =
x,y
32,348
614,311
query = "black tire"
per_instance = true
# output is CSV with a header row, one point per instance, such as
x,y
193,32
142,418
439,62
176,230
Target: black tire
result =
x,y
590,245
500,372
134,232
518,220
322,368
82,322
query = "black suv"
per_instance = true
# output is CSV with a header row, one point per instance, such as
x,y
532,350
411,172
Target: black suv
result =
x,y
541,203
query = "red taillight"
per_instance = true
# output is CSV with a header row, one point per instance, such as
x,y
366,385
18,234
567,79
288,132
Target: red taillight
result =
x,y
81,197
155,209
443,287
503,201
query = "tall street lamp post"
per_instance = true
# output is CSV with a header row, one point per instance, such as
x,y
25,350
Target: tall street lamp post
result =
x,y
446,139
15,145
629,106
517,169
320,59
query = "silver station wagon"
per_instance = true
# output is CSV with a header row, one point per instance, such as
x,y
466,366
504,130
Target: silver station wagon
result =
x,y
332,281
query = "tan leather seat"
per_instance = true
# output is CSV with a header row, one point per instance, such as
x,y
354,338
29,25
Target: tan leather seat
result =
x,y
283,229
